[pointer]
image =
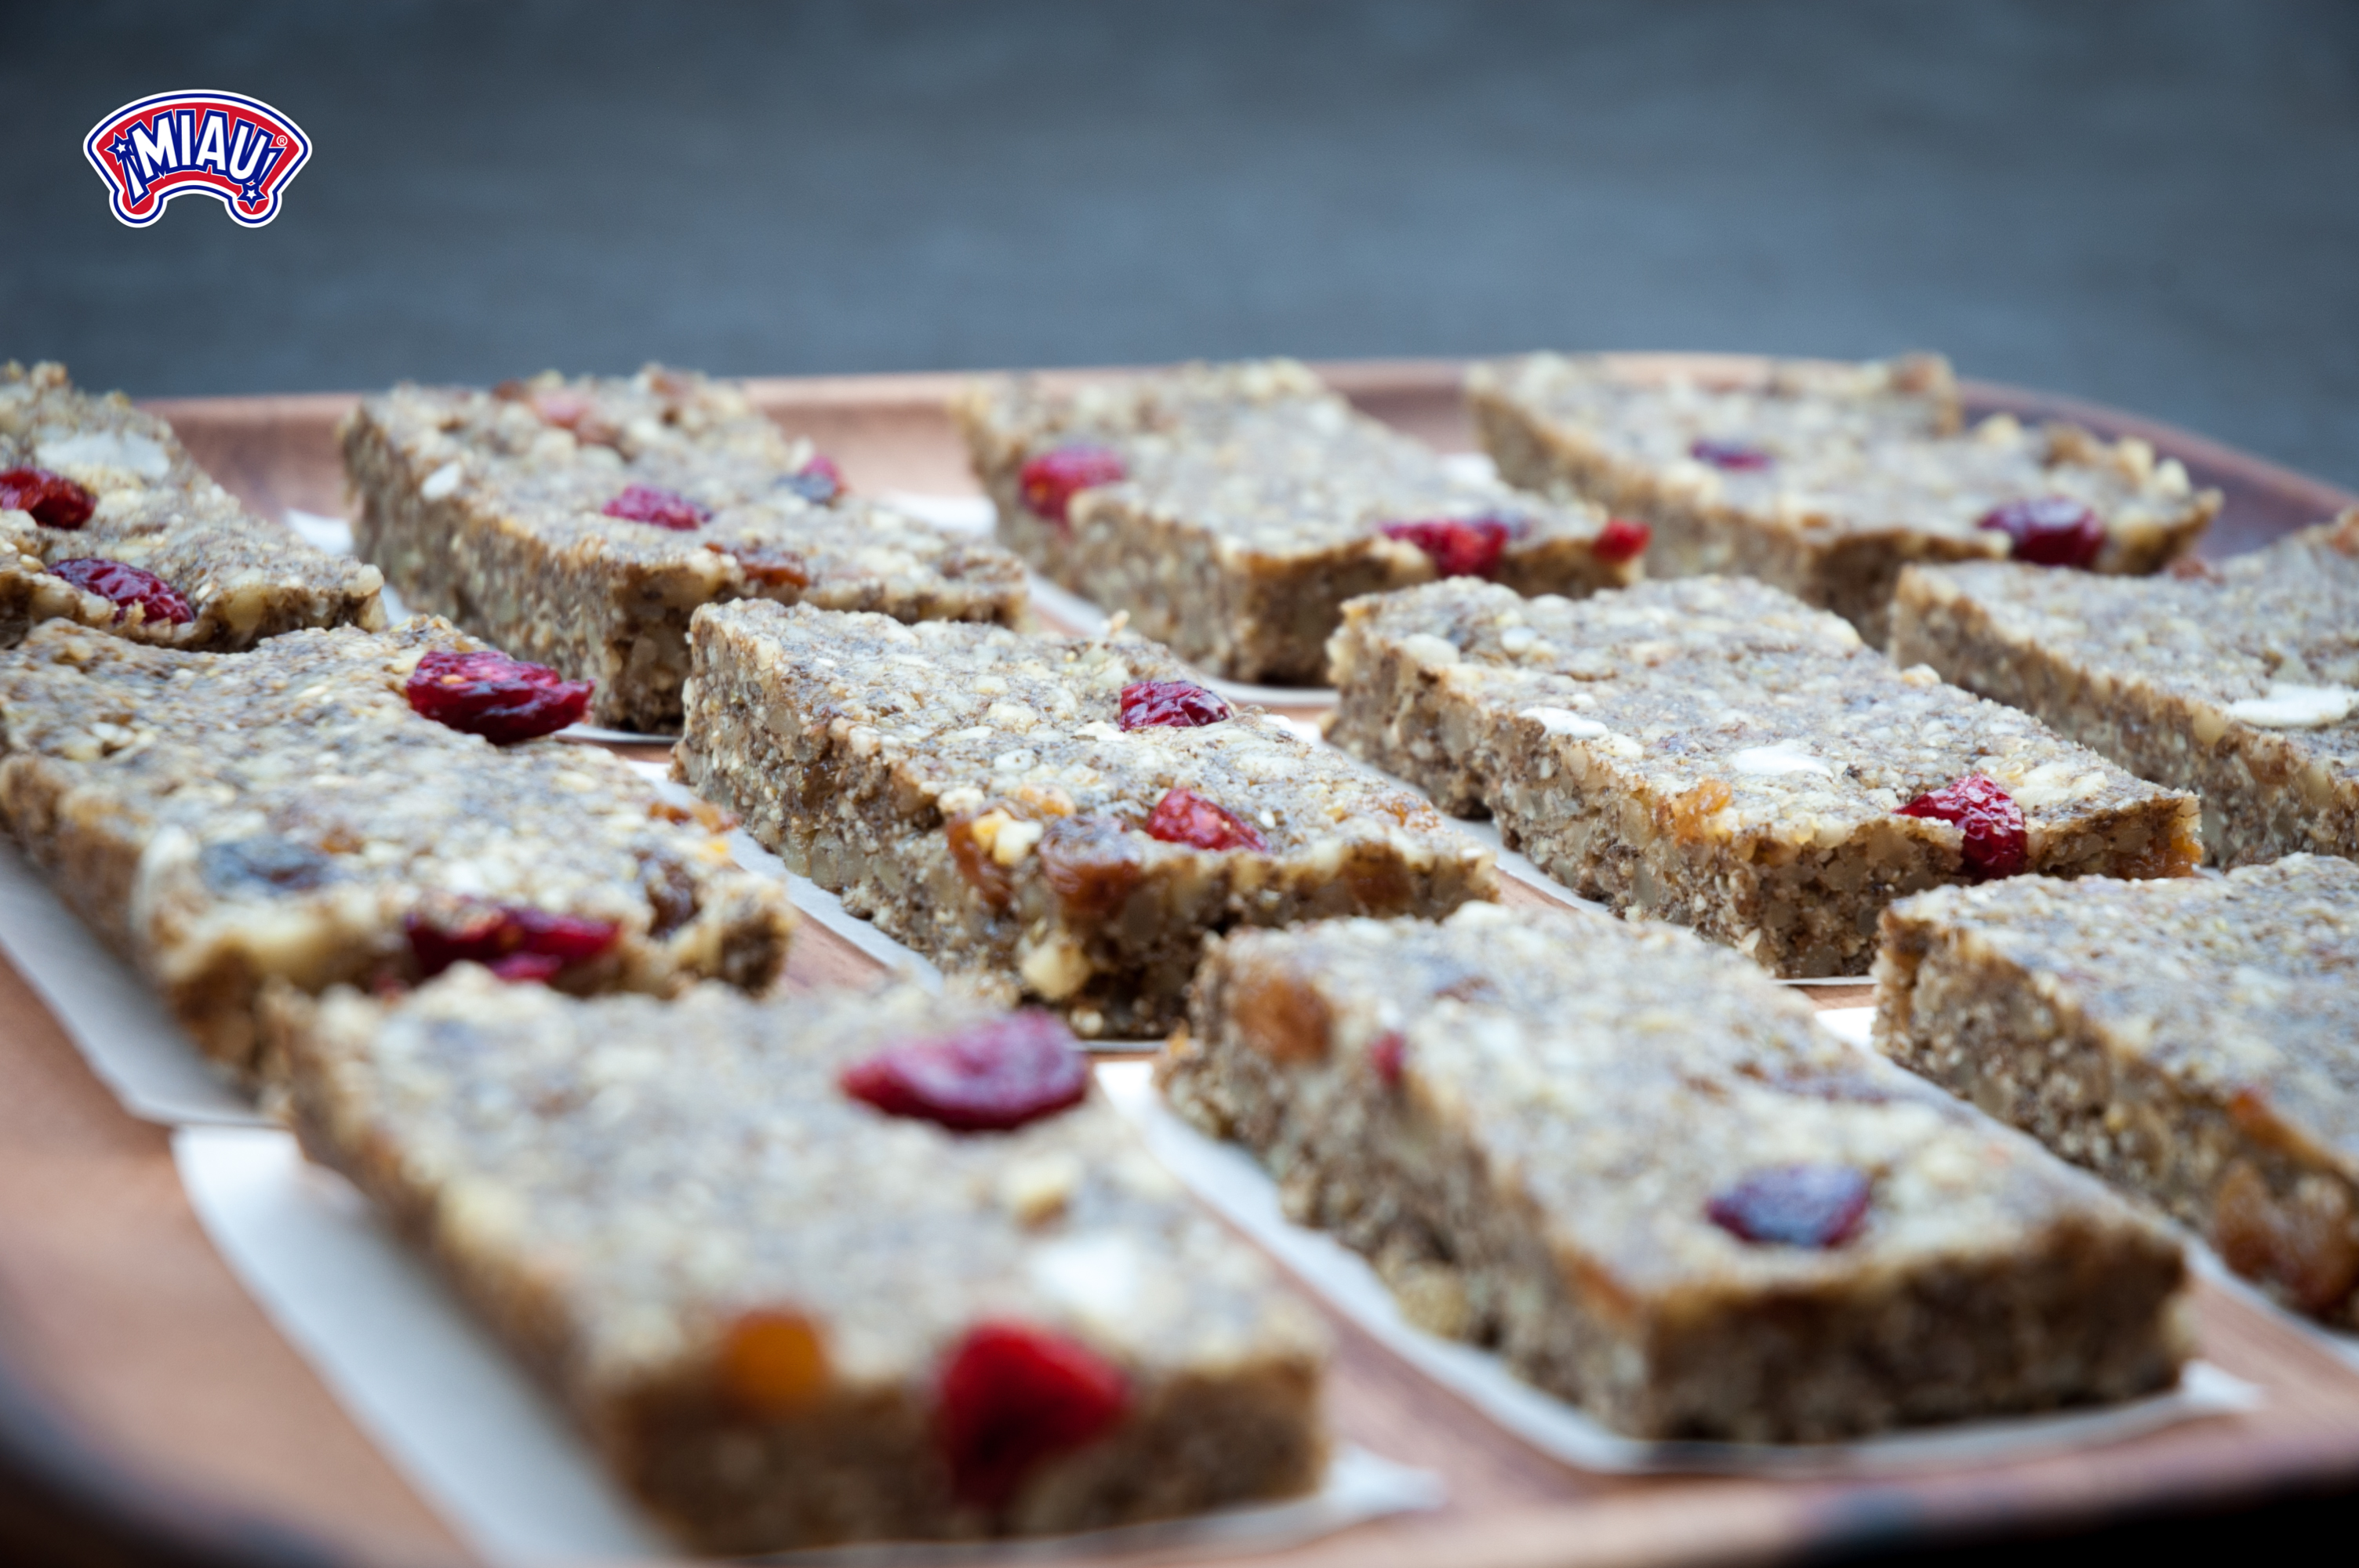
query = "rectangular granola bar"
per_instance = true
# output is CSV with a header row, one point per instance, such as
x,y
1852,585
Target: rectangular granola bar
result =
x,y
105,520
1713,752
579,524
788,1318
1040,813
1826,479
1642,1172
222,821
2193,1041
2239,681
1230,510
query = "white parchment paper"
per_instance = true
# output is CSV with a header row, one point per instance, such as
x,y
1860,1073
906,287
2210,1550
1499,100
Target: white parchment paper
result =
x,y
107,1008
1237,1188
491,1452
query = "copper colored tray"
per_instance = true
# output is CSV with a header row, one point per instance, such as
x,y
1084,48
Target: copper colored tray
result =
x,y
149,1412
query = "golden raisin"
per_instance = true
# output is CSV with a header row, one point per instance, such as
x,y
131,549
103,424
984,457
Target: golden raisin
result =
x,y
772,1363
1093,863
975,867
2302,1241
1279,1016
1694,808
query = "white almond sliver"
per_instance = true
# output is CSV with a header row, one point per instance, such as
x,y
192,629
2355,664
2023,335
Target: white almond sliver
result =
x,y
2296,706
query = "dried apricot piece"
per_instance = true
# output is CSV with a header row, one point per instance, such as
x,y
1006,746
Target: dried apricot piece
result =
x,y
772,1363
1013,1395
994,1076
1794,1206
487,693
1692,809
126,588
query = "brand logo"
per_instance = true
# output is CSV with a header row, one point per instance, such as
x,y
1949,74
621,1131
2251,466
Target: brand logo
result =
x,y
238,150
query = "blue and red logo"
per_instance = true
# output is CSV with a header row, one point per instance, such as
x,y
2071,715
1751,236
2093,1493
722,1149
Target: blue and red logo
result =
x,y
238,150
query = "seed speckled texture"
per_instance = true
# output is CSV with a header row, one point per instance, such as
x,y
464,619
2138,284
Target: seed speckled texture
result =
x,y
2239,681
1525,1117
1713,752
490,508
971,789
222,820
637,1194
246,577
1865,472
1254,506
2190,1040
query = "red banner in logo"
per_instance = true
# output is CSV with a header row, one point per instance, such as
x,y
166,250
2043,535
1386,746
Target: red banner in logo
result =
x,y
238,150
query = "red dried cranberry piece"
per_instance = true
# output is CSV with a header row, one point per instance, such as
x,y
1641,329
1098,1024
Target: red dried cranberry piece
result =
x,y
1181,703
1736,457
55,501
561,407
996,1075
504,700
1183,816
1386,1053
1794,1206
1622,539
817,480
126,586
1051,480
1013,1395
1458,546
1997,844
2048,531
661,508
516,942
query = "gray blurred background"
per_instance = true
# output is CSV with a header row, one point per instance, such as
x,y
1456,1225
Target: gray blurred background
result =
x,y
2155,205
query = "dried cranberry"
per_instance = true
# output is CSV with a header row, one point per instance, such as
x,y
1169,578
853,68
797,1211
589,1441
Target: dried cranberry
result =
x,y
818,481
1013,1395
1736,457
504,700
126,586
1458,546
561,407
55,501
1386,1053
2048,531
1794,1206
1183,816
1051,480
1622,539
1995,842
1180,703
661,508
516,942
992,1077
